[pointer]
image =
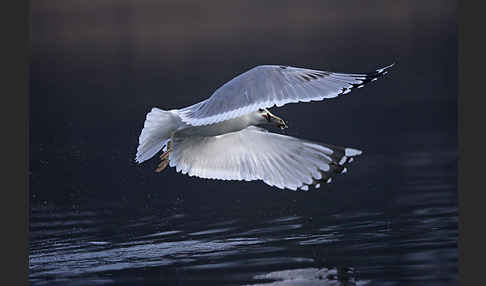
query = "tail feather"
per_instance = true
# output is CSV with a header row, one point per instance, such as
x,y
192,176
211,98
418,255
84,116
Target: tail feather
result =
x,y
157,129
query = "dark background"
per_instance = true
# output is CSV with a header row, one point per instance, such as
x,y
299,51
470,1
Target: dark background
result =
x,y
96,69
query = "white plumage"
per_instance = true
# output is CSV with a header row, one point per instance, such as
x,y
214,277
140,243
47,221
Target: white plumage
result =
x,y
217,138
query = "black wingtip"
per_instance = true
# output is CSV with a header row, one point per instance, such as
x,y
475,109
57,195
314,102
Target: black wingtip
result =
x,y
377,73
384,70
370,77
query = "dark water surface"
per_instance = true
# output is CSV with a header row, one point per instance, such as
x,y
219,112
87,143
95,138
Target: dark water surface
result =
x,y
373,230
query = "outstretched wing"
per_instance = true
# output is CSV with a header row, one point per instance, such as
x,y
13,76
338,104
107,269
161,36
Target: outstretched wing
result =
x,y
256,154
269,85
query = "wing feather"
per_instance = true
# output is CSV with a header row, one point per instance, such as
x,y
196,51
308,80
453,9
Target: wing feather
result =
x,y
256,154
269,85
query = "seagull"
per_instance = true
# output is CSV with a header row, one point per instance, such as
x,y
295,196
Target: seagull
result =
x,y
223,137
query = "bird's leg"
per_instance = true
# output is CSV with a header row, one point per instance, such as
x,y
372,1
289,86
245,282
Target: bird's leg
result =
x,y
164,157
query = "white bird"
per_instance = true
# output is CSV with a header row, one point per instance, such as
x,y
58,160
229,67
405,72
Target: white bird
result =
x,y
218,138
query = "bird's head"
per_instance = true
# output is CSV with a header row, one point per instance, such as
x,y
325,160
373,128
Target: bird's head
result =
x,y
265,117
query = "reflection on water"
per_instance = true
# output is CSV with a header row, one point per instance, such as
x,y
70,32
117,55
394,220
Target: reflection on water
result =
x,y
410,236
308,277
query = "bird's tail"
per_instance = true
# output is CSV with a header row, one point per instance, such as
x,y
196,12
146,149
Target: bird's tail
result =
x,y
157,129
